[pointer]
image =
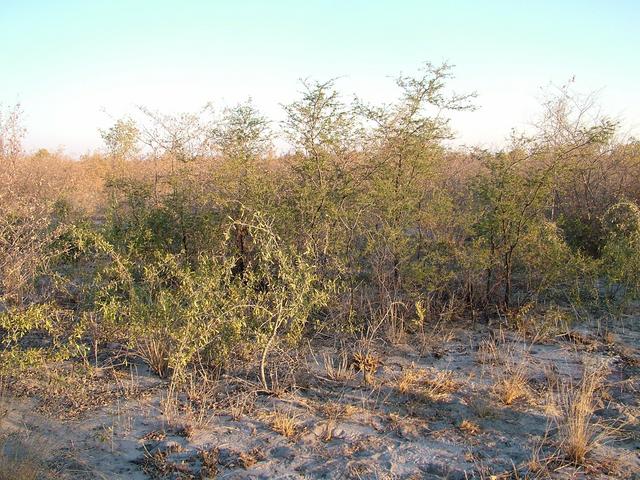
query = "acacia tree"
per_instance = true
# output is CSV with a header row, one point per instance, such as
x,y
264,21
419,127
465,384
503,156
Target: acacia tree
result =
x,y
323,131
573,130
405,139
243,139
511,199
121,140
170,204
243,133
521,188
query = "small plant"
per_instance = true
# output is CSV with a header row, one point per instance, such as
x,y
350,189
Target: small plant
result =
x,y
366,362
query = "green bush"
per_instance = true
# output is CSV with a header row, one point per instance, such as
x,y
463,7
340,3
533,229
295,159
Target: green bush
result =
x,y
36,335
175,314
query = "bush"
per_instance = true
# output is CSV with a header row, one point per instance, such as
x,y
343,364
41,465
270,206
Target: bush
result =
x,y
36,335
176,314
621,221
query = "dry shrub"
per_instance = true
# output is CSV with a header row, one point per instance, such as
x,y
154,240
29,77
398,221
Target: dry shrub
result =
x,y
201,395
366,361
26,246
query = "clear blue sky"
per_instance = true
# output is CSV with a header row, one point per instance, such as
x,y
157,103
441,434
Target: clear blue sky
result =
x,y
68,60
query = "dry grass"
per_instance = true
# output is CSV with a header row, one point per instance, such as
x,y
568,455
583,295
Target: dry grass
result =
x,y
154,351
338,369
469,427
512,381
409,379
513,385
578,431
201,394
438,384
488,353
284,423
431,384
337,410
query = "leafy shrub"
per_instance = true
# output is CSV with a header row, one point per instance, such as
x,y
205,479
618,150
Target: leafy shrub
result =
x,y
622,220
36,335
175,314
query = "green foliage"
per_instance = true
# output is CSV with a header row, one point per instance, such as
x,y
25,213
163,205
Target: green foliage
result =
x,y
38,334
211,246
512,200
121,139
622,221
254,292
620,259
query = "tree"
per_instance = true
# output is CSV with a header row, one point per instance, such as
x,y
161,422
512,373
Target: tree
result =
x,y
182,137
521,188
405,141
322,129
12,133
121,140
512,198
243,139
242,134
573,130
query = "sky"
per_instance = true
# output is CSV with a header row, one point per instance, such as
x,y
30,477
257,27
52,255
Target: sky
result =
x,y
76,65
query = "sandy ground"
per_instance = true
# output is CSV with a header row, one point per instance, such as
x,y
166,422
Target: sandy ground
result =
x,y
434,408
